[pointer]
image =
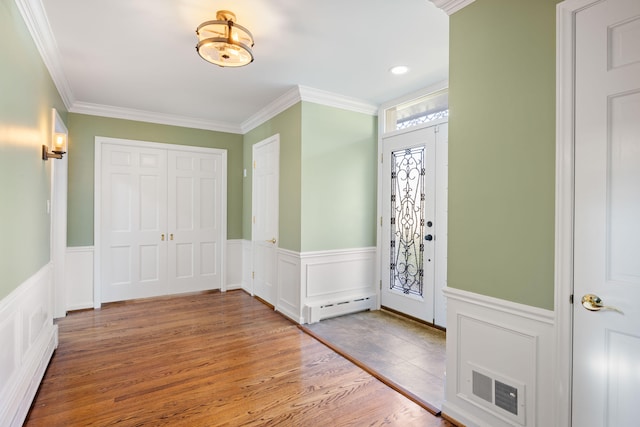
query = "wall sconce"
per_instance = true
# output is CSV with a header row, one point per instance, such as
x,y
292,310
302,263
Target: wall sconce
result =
x,y
59,147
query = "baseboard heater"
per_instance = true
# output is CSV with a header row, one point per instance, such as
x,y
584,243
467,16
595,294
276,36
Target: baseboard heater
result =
x,y
324,310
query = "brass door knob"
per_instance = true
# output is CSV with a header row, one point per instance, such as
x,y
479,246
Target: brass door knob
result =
x,y
594,303
272,241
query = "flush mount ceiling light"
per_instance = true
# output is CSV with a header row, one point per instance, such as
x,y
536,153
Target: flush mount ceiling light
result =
x,y
399,69
223,42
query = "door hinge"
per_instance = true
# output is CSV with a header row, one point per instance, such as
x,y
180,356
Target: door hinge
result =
x,y
437,129
381,158
254,164
253,274
571,299
380,221
254,219
380,284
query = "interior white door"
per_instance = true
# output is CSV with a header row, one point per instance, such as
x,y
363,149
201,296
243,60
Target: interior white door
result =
x,y
265,230
606,349
408,223
194,221
134,222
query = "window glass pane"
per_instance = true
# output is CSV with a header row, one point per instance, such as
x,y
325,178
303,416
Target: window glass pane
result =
x,y
417,111
407,220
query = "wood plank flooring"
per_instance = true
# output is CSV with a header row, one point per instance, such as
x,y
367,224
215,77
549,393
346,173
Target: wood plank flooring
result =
x,y
211,359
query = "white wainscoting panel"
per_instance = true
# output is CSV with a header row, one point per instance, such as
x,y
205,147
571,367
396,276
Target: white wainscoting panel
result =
x,y
234,265
79,277
289,301
319,281
247,265
338,277
28,338
498,350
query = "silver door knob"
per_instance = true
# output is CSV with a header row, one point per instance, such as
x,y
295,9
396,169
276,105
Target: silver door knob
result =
x,y
594,303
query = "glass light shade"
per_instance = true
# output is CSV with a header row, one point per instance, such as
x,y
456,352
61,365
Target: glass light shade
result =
x,y
223,42
59,143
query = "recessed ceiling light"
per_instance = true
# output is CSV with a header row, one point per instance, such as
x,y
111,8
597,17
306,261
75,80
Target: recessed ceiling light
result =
x,y
399,69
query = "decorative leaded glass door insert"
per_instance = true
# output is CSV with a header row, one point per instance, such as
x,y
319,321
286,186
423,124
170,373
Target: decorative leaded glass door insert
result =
x,y
408,199
407,220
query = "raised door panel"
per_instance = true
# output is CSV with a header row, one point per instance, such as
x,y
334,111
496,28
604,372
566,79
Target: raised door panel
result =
x,y
195,212
133,222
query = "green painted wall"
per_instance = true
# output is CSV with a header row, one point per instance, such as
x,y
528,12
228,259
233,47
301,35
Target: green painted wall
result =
x,y
27,95
82,132
327,177
339,168
288,125
502,150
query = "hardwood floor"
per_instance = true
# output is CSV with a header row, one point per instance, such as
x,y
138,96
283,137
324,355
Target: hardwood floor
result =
x,y
212,359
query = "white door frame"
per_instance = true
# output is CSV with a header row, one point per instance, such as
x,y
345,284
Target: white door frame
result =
x,y
381,135
564,215
97,205
58,212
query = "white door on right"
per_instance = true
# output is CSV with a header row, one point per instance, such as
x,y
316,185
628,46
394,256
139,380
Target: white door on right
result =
x,y
606,349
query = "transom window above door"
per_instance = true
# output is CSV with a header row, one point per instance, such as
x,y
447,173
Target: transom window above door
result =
x,y
418,111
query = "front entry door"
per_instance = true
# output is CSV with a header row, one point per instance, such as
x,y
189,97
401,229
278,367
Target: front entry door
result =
x,y
266,160
606,364
408,223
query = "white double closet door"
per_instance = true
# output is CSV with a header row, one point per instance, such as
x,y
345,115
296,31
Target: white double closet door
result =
x,y
162,219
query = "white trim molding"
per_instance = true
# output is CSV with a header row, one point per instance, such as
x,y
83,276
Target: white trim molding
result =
x,y
152,117
500,341
234,265
304,93
344,278
451,6
35,18
313,285
28,338
564,214
79,278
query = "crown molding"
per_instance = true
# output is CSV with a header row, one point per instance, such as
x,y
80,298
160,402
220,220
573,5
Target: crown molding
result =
x,y
451,6
288,99
152,117
35,18
36,21
304,93
338,101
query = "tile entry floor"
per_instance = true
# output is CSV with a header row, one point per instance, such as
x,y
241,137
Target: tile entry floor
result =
x,y
410,355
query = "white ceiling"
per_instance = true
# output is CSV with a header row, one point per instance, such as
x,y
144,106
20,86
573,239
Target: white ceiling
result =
x,y
121,57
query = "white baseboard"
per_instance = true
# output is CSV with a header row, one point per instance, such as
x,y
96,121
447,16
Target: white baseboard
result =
x,y
489,341
28,338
